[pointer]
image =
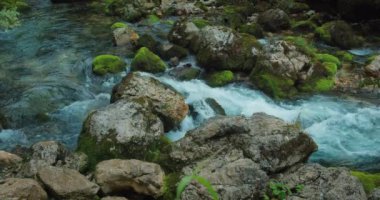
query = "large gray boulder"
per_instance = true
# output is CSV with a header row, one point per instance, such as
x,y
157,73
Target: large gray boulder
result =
x,y
64,183
236,154
217,47
323,183
164,101
124,129
116,176
21,189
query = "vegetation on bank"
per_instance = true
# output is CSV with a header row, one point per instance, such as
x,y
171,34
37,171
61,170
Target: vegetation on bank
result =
x,y
369,181
10,12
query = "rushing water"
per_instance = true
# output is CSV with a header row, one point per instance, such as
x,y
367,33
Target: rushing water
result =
x,y
47,89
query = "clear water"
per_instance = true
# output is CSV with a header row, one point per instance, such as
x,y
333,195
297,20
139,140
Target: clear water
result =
x,y
47,89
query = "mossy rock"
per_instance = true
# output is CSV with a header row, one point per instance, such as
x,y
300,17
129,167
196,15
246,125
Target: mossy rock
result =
x,y
345,56
339,33
302,45
369,181
304,25
152,19
200,23
274,85
104,64
237,57
118,25
149,42
328,58
185,73
324,85
252,29
218,79
147,61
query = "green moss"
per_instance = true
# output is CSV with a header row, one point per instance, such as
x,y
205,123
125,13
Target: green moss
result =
x,y
345,56
147,61
323,32
302,45
328,58
253,29
324,85
118,25
200,23
18,5
369,181
221,78
104,64
275,86
304,25
331,68
152,19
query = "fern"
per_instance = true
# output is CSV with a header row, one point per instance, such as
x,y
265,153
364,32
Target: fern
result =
x,y
9,18
185,181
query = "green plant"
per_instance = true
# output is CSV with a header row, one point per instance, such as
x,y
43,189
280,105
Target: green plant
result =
x,y
9,18
280,191
185,181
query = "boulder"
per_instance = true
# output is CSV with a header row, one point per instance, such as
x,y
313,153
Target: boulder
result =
x,y
285,69
274,20
318,181
168,51
125,36
165,102
236,154
185,73
103,64
373,69
117,176
217,47
220,78
216,107
21,189
8,159
52,153
339,33
63,183
147,61
375,195
124,129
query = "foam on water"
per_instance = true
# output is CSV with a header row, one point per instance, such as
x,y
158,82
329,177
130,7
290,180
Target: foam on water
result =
x,y
346,131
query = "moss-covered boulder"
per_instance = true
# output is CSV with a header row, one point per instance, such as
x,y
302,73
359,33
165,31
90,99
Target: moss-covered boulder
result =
x,y
147,61
369,181
287,69
217,79
125,129
224,49
104,64
339,33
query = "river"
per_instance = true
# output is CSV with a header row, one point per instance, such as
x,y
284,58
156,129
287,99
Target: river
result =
x,y
47,89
